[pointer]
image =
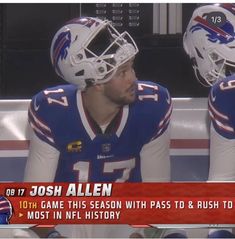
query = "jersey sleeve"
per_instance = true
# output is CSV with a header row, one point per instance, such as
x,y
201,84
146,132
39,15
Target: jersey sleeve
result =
x,y
156,109
155,114
221,104
42,161
155,159
38,113
164,111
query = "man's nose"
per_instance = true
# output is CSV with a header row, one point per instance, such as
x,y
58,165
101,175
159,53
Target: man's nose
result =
x,y
132,76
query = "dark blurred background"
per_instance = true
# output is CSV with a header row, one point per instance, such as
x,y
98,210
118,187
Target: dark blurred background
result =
x,y
26,31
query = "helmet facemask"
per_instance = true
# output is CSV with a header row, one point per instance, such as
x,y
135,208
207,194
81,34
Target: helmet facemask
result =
x,y
222,67
104,54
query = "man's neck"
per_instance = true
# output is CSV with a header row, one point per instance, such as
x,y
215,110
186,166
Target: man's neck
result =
x,y
101,110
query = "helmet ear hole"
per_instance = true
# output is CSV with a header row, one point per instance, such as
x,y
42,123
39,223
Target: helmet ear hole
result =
x,y
80,56
101,69
198,53
80,73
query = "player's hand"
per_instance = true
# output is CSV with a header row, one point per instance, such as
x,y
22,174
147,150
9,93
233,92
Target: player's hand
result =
x,y
221,234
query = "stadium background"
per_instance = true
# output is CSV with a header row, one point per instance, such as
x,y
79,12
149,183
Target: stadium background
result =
x,y
25,69
26,31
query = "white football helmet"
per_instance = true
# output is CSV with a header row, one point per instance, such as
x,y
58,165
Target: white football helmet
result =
x,y
88,51
209,41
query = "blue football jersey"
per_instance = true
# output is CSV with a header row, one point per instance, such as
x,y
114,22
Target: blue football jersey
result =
x,y
222,107
58,117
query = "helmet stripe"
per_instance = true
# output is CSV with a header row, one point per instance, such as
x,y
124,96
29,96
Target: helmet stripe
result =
x,y
211,27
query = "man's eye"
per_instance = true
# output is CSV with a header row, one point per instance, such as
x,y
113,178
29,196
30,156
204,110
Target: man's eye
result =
x,y
123,72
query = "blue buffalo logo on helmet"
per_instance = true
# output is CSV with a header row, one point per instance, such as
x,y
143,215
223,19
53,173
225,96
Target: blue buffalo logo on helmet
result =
x,y
62,43
222,35
6,210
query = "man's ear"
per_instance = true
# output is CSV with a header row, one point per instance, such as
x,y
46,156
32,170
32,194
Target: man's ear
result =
x,y
99,87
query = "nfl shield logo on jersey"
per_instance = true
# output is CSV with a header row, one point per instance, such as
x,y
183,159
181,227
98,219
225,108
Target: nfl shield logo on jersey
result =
x,y
5,210
106,148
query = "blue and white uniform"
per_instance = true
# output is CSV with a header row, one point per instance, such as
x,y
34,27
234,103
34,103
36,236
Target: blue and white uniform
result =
x,y
67,145
85,153
222,145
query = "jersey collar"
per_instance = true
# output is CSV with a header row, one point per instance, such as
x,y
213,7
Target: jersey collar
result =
x,y
116,126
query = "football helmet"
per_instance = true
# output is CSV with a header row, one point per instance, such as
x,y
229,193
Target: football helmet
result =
x,y
88,51
209,41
